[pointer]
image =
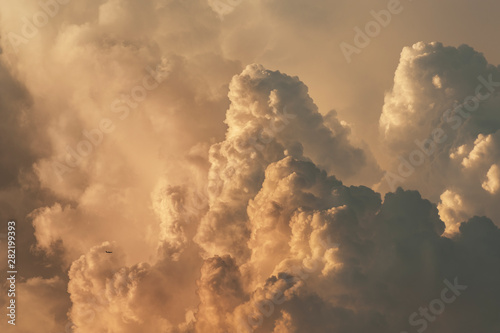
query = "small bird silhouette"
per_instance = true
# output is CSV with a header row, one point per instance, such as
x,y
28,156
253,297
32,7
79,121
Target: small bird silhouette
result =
x,y
109,252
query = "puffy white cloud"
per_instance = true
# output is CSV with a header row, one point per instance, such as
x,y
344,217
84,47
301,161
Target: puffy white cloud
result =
x,y
440,123
107,294
271,116
492,182
362,282
452,211
414,107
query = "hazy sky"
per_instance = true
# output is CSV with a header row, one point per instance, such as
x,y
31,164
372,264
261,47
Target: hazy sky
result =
x,y
271,166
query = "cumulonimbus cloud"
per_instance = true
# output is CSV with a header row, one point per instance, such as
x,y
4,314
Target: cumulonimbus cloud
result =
x,y
313,254
246,220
